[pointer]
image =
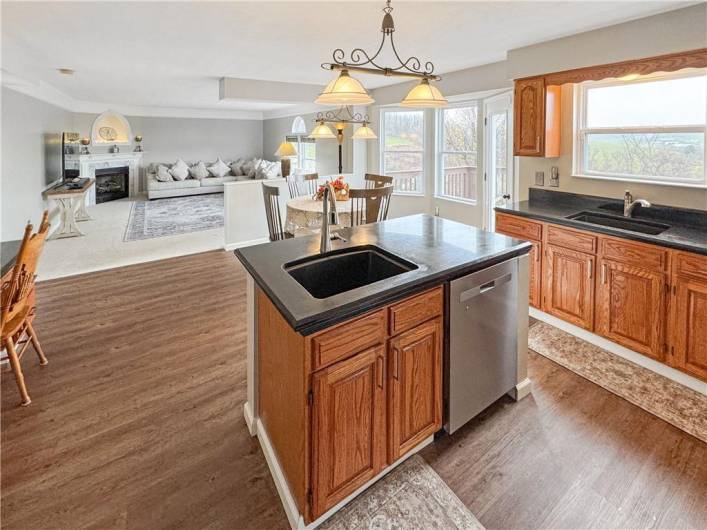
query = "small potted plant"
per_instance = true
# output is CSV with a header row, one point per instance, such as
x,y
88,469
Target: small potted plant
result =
x,y
341,189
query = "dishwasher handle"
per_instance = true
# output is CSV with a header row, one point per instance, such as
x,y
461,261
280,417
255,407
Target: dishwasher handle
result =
x,y
484,288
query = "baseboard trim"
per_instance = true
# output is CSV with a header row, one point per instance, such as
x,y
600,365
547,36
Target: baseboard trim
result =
x,y
295,518
635,357
521,390
249,419
249,243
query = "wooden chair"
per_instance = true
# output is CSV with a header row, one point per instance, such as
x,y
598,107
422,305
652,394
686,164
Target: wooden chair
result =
x,y
369,205
303,185
377,181
271,195
16,307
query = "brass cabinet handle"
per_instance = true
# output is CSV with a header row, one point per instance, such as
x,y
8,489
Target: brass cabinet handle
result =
x,y
589,270
537,142
603,273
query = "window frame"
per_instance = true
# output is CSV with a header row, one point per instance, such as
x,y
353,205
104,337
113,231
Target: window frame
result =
x,y
301,158
423,150
580,132
440,152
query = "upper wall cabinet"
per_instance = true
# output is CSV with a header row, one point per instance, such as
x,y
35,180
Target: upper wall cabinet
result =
x,y
536,118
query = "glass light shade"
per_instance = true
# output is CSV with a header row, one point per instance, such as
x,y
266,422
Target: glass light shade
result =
x,y
364,132
344,90
322,131
424,96
286,149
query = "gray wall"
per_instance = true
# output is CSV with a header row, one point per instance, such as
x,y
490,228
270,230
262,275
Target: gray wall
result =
x,y
275,130
193,139
24,122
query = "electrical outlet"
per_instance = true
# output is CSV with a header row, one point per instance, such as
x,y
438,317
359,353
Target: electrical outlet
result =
x,y
539,178
554,176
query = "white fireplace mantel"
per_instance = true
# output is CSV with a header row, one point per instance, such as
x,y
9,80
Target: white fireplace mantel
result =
x,y
88,164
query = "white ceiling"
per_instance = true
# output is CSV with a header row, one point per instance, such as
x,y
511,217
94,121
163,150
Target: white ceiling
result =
x,y
171,54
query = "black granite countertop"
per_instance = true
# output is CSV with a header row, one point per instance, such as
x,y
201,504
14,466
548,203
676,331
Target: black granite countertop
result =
x,y
688,228
442,250
8,253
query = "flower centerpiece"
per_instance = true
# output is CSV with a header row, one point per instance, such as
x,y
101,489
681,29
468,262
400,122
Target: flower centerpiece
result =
x,y
341,189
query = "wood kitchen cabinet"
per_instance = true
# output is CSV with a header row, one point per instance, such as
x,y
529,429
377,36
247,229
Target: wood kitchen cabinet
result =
x,y
568,288
415,375
535,274
348,426
648,298
536,130
689,314
342,404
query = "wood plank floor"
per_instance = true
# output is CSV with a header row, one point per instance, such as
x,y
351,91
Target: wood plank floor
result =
x,y
136,423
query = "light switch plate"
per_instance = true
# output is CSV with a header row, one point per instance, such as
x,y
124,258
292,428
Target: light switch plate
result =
x,y
539,178
554,176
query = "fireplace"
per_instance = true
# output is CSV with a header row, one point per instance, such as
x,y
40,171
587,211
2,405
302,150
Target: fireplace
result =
x,y
112,183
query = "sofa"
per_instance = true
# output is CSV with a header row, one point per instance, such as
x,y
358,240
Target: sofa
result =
x,y
189,186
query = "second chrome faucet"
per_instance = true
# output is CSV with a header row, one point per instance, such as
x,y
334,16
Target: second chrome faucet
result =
x,y
630,204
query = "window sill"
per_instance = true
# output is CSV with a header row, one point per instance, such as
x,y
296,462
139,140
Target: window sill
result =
x,y
698,185
408,194
470,202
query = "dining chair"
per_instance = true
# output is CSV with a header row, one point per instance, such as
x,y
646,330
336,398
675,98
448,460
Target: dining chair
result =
x,y
17,304
271,195
377,181
369,205
301,185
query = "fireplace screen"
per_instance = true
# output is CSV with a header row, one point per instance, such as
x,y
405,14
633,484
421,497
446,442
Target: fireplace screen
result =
x,y
112,183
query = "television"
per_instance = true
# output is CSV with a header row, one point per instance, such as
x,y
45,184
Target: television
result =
x,y
53,158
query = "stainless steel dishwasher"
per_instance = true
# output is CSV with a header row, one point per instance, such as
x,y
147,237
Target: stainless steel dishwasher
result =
x,y
483,341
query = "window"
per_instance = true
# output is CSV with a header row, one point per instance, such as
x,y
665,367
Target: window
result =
x,y
306,160
457,143
650,129
402,149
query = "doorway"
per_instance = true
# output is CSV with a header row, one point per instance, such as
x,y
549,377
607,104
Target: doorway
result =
x,y
500,183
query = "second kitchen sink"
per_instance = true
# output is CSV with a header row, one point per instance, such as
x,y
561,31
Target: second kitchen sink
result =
x,y
623,223
340,271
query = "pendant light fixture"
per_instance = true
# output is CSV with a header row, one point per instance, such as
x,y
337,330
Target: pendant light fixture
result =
x,y
345,90
364,132
340,118
322,131
424,96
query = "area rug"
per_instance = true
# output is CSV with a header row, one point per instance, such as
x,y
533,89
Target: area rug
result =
x,y
678,405
177,215
412,496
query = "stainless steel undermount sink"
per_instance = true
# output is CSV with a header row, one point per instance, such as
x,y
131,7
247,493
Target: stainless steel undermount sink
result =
x,y
623,223
343,270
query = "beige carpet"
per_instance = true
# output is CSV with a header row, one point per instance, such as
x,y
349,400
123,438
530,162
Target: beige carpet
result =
x,y
412,496
678,405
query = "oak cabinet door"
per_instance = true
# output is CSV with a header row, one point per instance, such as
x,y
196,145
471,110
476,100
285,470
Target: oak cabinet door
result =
x,y
631,307
348,427
690,326
529,113
535,274
568,289
415,376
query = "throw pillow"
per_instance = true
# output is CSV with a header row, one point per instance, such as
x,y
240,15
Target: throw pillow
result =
x,y
179,170
237,167
162,174
267,170
253,167
219,168
198,171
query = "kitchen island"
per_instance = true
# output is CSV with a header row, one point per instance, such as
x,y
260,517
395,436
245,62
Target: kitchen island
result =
x,y
347,351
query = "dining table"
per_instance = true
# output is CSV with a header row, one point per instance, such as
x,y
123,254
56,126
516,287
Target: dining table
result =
x,y
304,215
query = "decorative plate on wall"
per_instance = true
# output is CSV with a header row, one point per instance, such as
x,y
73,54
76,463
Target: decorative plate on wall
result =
x,y
109,134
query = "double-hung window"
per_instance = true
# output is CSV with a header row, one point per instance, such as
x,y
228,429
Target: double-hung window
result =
x,y
648,129
306,160
402,148
457,144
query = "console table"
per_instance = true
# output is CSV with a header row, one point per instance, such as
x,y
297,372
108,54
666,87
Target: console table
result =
x,y
67,197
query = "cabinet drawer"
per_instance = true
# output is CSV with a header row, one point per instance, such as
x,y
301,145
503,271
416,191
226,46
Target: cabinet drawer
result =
x,y
572,239
348,338
517,227
413,311
691,264
632,253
